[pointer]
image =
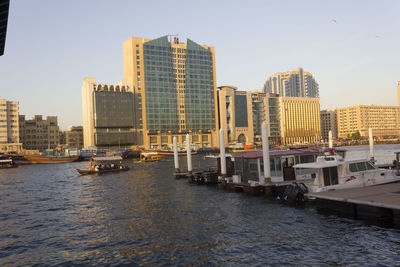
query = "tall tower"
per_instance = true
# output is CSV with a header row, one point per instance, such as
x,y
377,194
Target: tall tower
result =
x,y
175,90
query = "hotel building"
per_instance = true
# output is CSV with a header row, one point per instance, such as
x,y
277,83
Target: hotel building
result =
x,y
296,83
175,90
235,116
108,115
328,123
384,120
39,134
9,126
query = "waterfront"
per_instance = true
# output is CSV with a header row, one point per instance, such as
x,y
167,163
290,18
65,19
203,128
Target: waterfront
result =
x,y
50,215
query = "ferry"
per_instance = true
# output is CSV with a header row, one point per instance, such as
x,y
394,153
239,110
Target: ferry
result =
x,y
104,165
150,157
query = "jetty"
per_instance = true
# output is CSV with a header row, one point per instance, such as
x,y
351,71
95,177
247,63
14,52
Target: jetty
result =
x,y
380,203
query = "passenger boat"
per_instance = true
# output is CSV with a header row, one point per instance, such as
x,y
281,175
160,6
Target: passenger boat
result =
x,y
149,157
6,163
337,173
104,165
167,153
211,175
50,159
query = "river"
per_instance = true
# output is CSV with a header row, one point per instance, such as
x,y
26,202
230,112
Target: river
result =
x,y
49,215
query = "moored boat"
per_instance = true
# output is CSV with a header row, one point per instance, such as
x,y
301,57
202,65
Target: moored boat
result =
x,y
150,157
6,163
50,159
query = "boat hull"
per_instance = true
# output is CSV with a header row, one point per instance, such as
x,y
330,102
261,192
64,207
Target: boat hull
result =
x,y
49,160
85,172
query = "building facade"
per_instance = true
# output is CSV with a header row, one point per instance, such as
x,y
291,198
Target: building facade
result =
x,y
296,83
74,137
175,90
234,116
328,123
108,115
384,120
39,134
9,126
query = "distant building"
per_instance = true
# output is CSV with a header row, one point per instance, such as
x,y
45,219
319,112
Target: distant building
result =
x,y
9,126
39,134
384,120
398,93
235,115
74,137
108,115
296,83
328,123
175,90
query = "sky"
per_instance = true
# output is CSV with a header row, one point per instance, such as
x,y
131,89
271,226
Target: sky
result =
x,y
350,47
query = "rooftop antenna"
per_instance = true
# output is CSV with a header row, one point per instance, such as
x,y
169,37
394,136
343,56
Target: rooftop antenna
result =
x,y
173,35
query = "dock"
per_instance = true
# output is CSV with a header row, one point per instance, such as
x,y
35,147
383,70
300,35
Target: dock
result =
x,y
378,203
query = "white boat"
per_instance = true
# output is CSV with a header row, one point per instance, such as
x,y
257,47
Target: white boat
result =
x,y
335,173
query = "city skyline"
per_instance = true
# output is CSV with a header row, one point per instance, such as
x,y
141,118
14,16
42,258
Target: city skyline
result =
x,y
349,48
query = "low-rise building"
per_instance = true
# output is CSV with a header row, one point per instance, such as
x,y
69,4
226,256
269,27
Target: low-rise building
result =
x,y
9,126
74,137
38,133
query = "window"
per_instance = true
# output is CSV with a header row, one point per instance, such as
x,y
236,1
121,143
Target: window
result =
x,y
361,166
353,167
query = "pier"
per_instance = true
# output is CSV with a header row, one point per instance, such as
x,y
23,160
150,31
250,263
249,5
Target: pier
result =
x,y
379,203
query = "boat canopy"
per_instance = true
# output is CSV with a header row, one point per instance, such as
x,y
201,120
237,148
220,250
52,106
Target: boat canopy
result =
x,y
113,158
287,152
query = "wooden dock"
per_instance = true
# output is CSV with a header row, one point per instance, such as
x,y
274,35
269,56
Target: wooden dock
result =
x,y
380,203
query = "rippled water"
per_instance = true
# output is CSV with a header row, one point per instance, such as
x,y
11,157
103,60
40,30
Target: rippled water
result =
x,y
49,215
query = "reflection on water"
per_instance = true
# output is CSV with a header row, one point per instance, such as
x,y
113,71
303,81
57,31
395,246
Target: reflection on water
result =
x,y
51,215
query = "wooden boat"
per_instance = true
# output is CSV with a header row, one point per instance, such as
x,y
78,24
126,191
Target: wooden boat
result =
x,y
85,172
6,163
104,165
167,153
50,159
150,157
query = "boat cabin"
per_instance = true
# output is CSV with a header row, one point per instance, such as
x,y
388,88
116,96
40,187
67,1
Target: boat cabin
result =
x,y
106,163
249,165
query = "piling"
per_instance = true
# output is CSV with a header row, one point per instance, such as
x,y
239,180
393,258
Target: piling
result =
x,y
330,140
176,156
265,147
189,155
371,144
222,153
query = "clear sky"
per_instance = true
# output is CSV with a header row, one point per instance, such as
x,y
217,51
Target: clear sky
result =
x,y
351,47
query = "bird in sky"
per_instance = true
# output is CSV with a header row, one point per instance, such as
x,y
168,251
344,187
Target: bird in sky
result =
x,y
334,21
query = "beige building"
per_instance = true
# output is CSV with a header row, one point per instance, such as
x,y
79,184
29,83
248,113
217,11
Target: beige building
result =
x,y
296,83
398,93
299,120
328,123
235,116
39,134
108,115
9,126
175,90
384,120
74,137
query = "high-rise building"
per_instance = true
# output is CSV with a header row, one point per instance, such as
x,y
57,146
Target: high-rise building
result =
x,y
384,120
235,116
296,83
328,123
175,90
39,134
9,126
74,137
108,114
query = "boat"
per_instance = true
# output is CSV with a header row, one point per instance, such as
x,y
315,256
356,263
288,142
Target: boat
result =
x,y
335,173
50,159
150,157
6,163
167,153
104,165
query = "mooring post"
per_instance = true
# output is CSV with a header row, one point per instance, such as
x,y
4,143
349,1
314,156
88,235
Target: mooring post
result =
x,y
330,140
265,147
176,156
222,153
189,155
371,144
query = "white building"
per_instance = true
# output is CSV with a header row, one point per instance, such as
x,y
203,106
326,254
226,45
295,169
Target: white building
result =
x,y
9,126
